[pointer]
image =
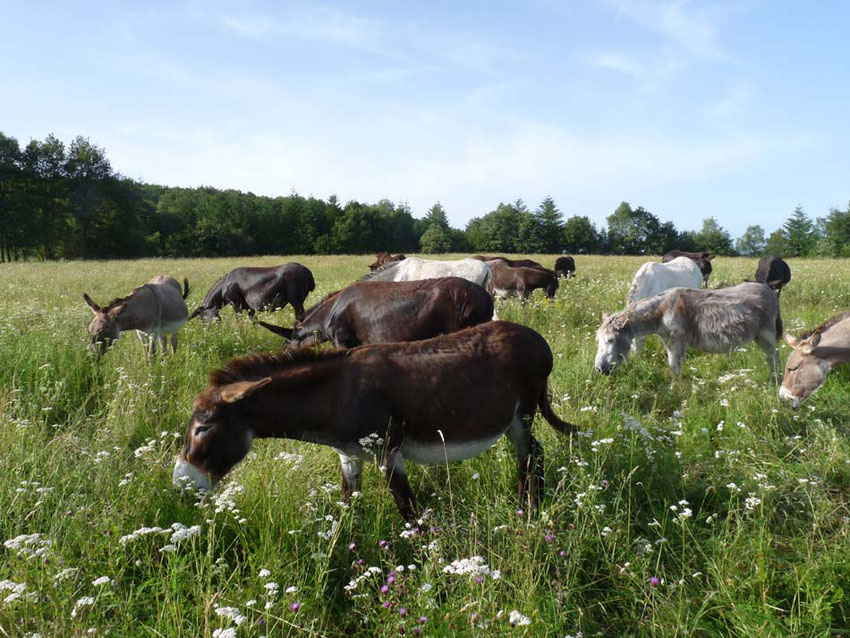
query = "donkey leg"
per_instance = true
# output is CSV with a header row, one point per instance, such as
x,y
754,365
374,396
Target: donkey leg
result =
x,y
351,467
529,460
173,344
675,357
399,486
163,342
767,343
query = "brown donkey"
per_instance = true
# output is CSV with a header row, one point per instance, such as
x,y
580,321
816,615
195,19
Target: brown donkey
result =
x,y
507,281
155,310
444,399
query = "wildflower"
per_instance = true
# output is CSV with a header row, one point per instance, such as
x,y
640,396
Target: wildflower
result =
x,y
517,619
291,590
103,580
230,632
752,501
474,565
402,612
654,581
295,606
352,547
265,573
85,601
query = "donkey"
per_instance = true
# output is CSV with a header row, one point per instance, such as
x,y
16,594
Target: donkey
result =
x,y
414,269
774,272
384,258
506,281
260,288
815,354
702,259
154,310
707,320
384,311
652,278
513,263
565,267
435,401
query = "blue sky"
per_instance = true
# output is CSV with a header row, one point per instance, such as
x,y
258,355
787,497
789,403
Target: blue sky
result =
x,y
735,110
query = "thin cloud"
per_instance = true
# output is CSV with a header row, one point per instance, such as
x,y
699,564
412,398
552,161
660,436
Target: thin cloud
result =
x,y
691,28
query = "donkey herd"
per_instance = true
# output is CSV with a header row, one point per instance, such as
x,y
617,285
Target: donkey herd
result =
x,y
422,370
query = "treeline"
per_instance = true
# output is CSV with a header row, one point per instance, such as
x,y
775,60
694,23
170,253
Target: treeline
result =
x,y
66,201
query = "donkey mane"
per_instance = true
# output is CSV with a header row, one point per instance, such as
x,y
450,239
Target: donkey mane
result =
x,y
320,302
826,324
379,270
256,366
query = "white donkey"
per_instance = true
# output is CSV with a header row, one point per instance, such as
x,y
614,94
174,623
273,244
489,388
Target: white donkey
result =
x,y
652,278
154,310
414,269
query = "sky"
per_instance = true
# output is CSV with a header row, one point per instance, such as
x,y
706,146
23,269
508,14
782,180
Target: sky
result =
x,y
736,110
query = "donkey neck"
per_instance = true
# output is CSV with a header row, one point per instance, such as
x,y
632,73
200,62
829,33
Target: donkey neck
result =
x,y
646,316
137,314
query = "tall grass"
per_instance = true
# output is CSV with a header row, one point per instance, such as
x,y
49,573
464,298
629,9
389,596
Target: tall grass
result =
x,y
708,509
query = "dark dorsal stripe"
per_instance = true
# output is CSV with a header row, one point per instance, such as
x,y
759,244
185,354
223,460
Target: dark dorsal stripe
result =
x,y
829,323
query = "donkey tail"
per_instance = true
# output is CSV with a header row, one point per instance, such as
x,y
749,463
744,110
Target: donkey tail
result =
x,y
286,333
546,410
185,287
778,325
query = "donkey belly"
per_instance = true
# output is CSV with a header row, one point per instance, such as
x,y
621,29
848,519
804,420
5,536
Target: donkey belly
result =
x,y
438,453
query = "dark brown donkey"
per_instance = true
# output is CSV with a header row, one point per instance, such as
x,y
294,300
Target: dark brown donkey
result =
x,y
384,258
386,311
261,288
435,401
506,281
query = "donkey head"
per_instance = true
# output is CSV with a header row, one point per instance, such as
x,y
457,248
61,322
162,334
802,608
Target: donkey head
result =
x,y
218,436
704,263
104,328
805,372
614,341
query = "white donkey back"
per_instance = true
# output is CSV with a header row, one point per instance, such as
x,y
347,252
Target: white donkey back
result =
x,y
653,277
414,269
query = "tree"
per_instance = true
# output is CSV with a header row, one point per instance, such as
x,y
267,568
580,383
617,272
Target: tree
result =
x,y
714,238
86,168
13,221
579,235
799,233
752,242
777,244
47,193
637,231
437,215
835,232
551,224
435,240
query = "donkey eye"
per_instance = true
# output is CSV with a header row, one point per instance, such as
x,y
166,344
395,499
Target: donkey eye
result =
x,y
200,429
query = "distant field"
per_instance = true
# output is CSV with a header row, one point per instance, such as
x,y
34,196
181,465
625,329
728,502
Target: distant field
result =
x,y
711,509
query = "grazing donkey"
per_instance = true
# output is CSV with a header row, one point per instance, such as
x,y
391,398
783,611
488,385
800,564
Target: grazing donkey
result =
x,y
707,320
508,281
154,310
414,269
774,272
815,354
386,311
702,259
259,288
652,278
434,401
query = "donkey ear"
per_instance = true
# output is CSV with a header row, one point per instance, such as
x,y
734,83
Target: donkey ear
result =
x,y
234,392
790,340
94,307
710,257
286,333
114,312
807,345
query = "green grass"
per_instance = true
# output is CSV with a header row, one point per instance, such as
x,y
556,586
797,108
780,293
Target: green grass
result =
x,y
87,447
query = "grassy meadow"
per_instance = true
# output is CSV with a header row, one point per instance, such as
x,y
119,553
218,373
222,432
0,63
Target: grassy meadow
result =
x,y
711,509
